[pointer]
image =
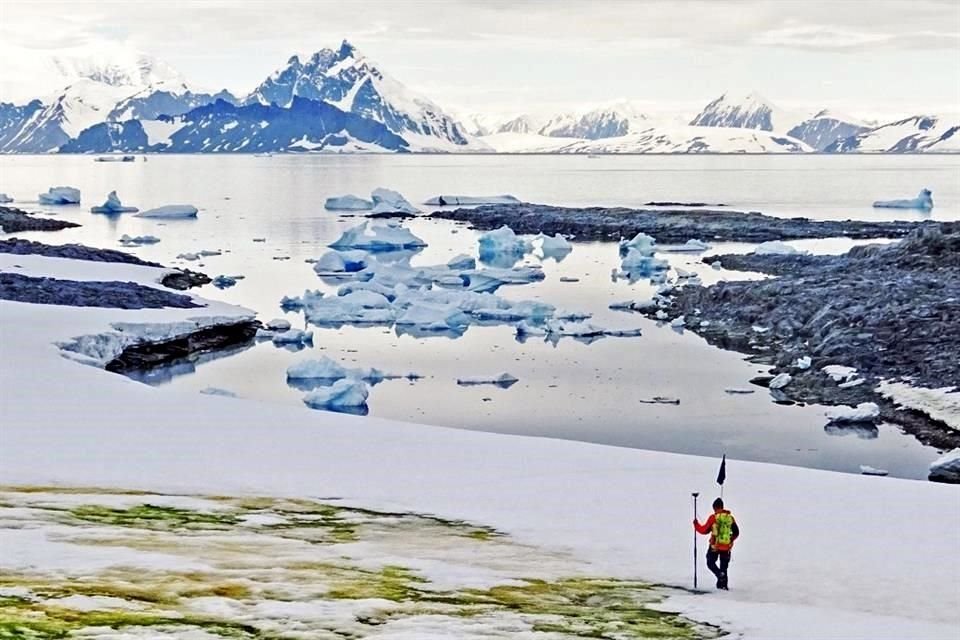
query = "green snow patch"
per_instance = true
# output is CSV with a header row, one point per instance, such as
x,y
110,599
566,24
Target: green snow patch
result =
x,y
154,565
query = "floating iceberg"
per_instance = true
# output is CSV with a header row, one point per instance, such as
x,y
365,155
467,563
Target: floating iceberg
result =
x,y
503,242
923,201
343,394
434,317
552,247
224,282
328,369
780,381
775,247
641,242
132,241
299,302
690,246
503,380
449,201
170,211
5,199
334,262
60,195
278,324
462,262
188,256
293,336
378,237
388,201
638,264
347,203
946,468
113,205
863,412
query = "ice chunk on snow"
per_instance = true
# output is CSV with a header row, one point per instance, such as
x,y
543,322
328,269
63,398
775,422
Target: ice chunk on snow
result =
x,y
679,322
863,412
780,381
388,201
503,241
5,199
462,262
775,247
923,201
946,468
340,262
343,394
113,205
446,201
347,203
170,211
867,470
503,380
293,336
378,237
60,195
132,241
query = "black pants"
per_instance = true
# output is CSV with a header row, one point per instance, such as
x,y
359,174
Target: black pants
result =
x,y
712,556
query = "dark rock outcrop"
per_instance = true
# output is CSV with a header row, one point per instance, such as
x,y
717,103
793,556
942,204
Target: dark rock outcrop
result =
x,y
183,279
75,293
146,355
72,251
13,220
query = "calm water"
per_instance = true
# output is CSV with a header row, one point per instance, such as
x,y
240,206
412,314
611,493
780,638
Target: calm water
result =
x,y
572,390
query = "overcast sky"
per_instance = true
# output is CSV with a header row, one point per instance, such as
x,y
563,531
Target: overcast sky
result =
x,y
868,58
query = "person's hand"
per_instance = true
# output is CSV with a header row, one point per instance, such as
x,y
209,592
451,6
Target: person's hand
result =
x,y
695,522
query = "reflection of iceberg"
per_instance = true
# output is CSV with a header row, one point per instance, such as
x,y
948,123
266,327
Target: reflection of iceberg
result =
x,y
504,380
862,430
923,201
165,373
556,247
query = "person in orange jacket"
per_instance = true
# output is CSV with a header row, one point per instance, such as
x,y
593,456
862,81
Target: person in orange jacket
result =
x,y
723,530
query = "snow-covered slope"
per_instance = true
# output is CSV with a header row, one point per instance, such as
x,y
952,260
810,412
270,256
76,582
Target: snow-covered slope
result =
x,y
354,83
165,98
13,119
751,111
918,133
825,128
510,142
604,122
116,66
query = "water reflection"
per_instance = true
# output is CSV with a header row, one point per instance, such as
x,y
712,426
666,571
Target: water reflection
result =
x,y
166,373
862,430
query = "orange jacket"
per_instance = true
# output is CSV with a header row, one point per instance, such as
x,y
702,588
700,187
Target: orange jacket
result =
x,y
707,527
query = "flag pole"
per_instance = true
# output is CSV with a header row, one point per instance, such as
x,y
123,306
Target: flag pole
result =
x,y
695,494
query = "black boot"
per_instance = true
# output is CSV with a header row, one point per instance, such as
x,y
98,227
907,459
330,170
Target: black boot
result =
x,y
722,582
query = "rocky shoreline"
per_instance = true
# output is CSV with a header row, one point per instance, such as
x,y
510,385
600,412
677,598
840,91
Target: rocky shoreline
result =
x,y
672,226
13,220
892,312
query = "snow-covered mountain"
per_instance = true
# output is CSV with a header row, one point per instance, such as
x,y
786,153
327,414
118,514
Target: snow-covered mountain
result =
x,y
826,128
117,67
171,99
223,127
750,111
352,82
604,122
938,134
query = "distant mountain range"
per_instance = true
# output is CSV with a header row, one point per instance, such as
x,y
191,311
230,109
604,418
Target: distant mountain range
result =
x,y
338,100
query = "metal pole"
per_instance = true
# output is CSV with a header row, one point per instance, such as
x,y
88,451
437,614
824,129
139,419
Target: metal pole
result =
x,y
695,494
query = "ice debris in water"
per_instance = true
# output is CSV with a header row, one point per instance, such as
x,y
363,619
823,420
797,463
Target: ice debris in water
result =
x,y
446,201
113,205
328,369
556,247
278,324
348,202
334,262
503,241
839,373
60,195
780,381
863,412
637,257
170,211
299,302
388,201
292,336
342,394
503,380
867,470
378,237
690,246
224,281
923,201
775,247
946,468
132,241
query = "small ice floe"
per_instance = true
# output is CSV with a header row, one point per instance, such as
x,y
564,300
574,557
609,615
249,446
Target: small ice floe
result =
x,y
716,265
217,391
206,253
637,257
633,305
378,237
60,195
388,201
347,203
780,381
569,279
5,199
113,205
556,247
690,246
341,395
661,400
133,241
292,303
170,212
863,412
278,324
803,363
758,329
340,262
462,262
679,322
224,281
737,391
434,317
188,256
292,336
326,368
449,201
839,372
503,242
867,470
775,248
923,201
504,380
946,468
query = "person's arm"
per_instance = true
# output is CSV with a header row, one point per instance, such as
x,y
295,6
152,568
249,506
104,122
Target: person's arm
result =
x,y
706,527
736,531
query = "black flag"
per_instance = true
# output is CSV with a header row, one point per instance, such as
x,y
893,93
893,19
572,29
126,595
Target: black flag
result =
x,y
722,474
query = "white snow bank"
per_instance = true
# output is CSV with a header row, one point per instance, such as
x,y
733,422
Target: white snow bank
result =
x,y
502,380
133,241
775,247
60,195
946,468
113,205
940,404
170,211
378,237
342,394
923,201
863,412
446,201
348,202
389,201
